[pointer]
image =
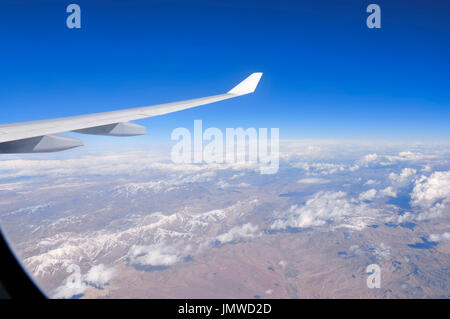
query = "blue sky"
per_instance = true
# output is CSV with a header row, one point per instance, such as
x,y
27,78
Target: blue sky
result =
x,y
326,75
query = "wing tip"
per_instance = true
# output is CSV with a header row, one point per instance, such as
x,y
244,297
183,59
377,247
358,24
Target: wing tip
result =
x,y
248,85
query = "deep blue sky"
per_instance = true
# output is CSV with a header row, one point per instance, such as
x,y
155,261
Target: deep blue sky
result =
x,y
326,75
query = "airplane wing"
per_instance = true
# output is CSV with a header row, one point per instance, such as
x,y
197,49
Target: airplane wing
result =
x,y
43,136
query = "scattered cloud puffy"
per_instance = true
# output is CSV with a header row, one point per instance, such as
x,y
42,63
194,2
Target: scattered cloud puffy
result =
x,y
68,290
409,156
238,232
326,207
379,250
368,195
388,191
405,176
153,255
380,160
319,168
382,251
99,275
428,190
371,182
368,159
430,196
440,237
76,284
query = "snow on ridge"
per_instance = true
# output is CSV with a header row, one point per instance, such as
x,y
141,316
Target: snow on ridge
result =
x,y
58,251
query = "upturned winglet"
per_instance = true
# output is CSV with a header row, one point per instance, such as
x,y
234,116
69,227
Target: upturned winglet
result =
x,y
248,85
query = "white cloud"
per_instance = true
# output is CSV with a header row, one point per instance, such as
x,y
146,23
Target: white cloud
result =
x,y
440,237
325,207
368,159
76,284
319,168
382,251
408,156
153,255
68,290
110,164
99,275
405,176
238,232
371,182
313,180
430,196
388,191
374,159
223,184
368,195
428,190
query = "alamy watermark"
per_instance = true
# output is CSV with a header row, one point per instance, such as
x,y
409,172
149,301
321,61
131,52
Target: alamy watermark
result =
x,y
374,278
373,21
235,146
73,21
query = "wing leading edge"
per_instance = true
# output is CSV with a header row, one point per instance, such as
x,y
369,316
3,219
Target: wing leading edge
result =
x,y
14,136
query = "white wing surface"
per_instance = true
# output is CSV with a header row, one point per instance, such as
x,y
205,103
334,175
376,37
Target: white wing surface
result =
x,y
42,136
